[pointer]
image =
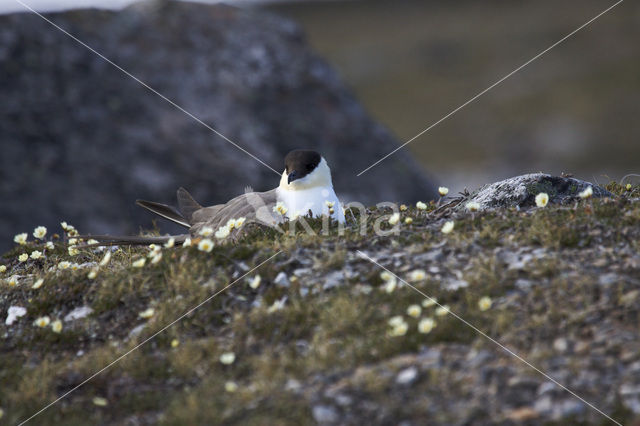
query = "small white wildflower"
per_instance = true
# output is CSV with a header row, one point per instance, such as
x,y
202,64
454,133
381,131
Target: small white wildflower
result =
x,y
473,206
40,232
542,199
228,358
408,221
205,245
72,241
222,232
3,269
56,326
206,231
417,275
587,193
147,313
38,283
442,310
447,227
139,263
330,204
49,245
74,266
170,243
403,207
20,239
156,258
414,311
231,223
395,320
230,386
13,281
23,257
399,329
255,282
386,276
187,242
64,225
394,219
106,258
92,241
485,303
426,325
390,285
421,206
628,187
240,221
73,250
443,190
92,274
280,208
42,321
99,401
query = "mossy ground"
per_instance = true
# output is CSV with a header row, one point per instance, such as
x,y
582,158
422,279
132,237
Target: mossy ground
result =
x,y
329,344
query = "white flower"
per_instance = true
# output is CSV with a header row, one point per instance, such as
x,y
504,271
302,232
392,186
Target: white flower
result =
x,y
542,199
442,310
13,281
230,386
386,275
255,282
227,358
206,231
426,325
20,239
23,257
240,221
414,311
42,321
390,285
417,275
92,274
394,219
330,204
443,190
3,269
187,242
473,206
399,329
106,258
421,206
38,283
403,207
222,232
147,313
73,241
92,241
205,245
587,193
395,320
139,263
156,258
14,313
628,187
408,221
72,250
56,326
49,245
231,223
99,401
40,232
485,303
447,227
280,208
170,242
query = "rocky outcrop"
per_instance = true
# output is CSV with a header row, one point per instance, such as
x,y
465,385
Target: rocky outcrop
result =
x,y
521,191
81,141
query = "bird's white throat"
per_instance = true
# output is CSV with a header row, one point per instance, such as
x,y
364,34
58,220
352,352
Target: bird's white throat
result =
x,y
313,192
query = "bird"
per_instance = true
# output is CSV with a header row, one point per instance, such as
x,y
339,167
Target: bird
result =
x,y
305,187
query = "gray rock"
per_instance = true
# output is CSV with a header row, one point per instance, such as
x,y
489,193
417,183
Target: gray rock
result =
x,y
78,313
324,414
407,376
521,191
281,280
81,141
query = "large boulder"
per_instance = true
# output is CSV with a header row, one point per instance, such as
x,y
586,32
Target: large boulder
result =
x,y
81,140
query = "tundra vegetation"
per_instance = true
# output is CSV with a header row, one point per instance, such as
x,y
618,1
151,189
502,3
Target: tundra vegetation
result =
x,y
319,334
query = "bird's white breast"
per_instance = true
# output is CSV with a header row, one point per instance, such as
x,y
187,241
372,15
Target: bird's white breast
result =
x,y
316,199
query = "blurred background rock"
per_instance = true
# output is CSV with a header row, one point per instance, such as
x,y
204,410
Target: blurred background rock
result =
x,y
80,141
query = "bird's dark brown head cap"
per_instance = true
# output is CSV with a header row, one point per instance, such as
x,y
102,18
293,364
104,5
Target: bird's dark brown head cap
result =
x,y
300,163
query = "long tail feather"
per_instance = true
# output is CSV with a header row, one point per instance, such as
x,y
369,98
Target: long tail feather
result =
x,y
187,204
165,211
112,240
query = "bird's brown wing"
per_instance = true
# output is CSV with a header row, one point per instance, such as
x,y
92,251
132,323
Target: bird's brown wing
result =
x,y
255,207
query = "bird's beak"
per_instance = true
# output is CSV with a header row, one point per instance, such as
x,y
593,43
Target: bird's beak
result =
x,y
292,176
